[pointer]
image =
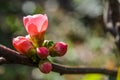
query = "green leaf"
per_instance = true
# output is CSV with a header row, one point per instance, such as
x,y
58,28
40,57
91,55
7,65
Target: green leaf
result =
x,y
48,43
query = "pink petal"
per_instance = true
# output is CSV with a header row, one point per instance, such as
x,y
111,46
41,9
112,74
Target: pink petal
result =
x,y
41,22
26,19
32,29
44,26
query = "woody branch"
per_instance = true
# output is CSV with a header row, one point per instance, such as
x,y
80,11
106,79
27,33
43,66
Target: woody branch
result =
x,y
9,56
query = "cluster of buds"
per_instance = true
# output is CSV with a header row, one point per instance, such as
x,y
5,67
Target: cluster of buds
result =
x,y
34,46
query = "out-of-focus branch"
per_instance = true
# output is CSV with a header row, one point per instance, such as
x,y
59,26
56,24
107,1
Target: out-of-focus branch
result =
x,y
9,56
112,19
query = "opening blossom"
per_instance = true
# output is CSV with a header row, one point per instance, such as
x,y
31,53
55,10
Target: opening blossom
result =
x,y
36,24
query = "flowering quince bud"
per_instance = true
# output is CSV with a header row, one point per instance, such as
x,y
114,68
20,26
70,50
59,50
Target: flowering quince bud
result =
x,y
58,49
45,67
36,26
22,44
42,52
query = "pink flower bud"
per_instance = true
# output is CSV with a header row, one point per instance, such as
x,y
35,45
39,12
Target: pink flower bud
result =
x,y
45,67
61,48
42,52
35,24
58,49
22,44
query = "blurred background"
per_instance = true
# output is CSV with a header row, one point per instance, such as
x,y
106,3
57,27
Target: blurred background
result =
x,y
77,22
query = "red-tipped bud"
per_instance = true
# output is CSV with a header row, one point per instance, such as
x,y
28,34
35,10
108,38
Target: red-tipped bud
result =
x,y
22,44
58,49
42,52
45,67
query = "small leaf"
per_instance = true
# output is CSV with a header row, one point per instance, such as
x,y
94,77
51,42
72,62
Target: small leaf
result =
x,y
48,43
